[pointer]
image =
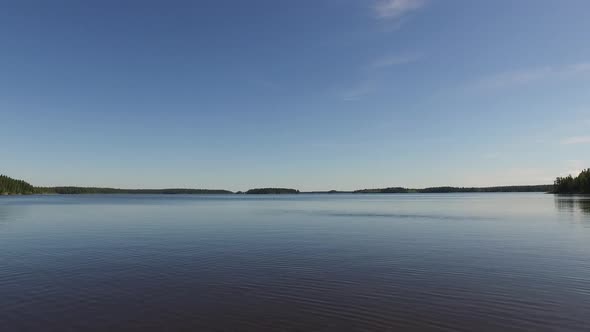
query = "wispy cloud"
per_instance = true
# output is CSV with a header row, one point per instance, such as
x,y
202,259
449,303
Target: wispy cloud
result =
x,y
576,140
395,9
371,79
357,92
394,60
530,75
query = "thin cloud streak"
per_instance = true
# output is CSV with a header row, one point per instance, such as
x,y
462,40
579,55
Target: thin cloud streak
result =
x,y
395,9
356,93
369,84
394,60
576,140
531,75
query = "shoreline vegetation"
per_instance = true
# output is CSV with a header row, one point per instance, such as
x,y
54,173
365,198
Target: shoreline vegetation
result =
x,y
96,190
562,185
272,191
10,186
573,185
436,190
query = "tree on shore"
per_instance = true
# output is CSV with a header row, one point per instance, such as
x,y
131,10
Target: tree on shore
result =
x,y
13,186
573,185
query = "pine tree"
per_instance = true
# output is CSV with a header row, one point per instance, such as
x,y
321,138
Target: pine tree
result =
x,y
10,186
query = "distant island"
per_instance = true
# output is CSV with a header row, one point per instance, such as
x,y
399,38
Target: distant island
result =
x,y
563,185
573,185
271,191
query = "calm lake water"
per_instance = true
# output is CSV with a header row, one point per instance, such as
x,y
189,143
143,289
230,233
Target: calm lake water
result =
x,y
416,262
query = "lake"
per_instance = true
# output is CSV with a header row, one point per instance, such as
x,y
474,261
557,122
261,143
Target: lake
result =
x,y
339,262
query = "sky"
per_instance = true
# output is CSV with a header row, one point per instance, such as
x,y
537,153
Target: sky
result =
x,y
309,94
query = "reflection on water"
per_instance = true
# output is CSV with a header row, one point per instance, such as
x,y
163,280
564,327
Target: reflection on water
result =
x,y
573,204
416,262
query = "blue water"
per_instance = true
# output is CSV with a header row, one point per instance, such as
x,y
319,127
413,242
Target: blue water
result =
x,y
341,262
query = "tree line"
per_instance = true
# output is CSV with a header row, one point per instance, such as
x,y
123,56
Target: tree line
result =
x,y
573,185
496,189
562,185
97,190
10,186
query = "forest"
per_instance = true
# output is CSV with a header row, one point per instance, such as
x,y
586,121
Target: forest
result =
x,y
573,185
401,190
10,186
95,190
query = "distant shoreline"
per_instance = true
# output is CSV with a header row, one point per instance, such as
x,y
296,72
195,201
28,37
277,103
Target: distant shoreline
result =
x,y
10,186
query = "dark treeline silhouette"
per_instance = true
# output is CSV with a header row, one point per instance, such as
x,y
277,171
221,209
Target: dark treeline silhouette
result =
x,y
565,185
266,191
94,190
497,189
275,191
10,186
573,185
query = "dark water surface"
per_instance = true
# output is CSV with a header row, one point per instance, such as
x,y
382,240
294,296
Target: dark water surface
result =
x,y
417,262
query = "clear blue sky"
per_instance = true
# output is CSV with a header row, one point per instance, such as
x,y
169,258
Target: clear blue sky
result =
x,y
322,94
